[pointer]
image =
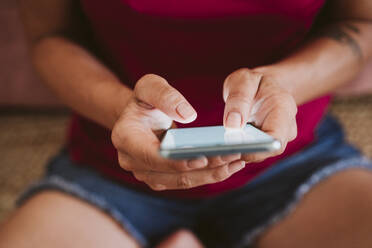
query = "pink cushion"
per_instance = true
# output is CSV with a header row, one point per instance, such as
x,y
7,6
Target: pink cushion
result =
x,y
18,83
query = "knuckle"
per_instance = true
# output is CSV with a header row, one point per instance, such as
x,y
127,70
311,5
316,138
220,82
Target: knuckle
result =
x,y
180,166
248,75
232,77
124,162
241,85
152,186
149,76
143,83
183,181
248,157
215,162
157,187
241,72
220,173
115,138
149,180
139,176
118,138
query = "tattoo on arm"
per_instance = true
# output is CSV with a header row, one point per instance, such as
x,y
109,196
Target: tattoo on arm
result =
x,y
339,32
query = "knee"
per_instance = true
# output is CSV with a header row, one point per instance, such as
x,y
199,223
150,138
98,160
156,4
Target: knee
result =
x,y
335,212
181,239
344,196
350,189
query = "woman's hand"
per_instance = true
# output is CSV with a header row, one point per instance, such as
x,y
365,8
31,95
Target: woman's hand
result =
x,y
254,96
150,111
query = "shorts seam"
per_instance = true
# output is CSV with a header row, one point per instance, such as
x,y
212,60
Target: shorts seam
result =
x,y
60,184
317,177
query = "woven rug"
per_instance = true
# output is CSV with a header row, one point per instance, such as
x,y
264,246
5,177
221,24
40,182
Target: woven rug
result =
x,y
29,139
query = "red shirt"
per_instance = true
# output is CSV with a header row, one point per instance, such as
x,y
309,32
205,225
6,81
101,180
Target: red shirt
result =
x,y
194,45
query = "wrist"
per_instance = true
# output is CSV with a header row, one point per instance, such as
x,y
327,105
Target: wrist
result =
x,y
273,74
124,96
285,76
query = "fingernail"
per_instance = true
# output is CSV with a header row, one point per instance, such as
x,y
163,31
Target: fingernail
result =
x,y
234,120
236,166
198,163
185,111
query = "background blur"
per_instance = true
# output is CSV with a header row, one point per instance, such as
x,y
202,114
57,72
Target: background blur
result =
x,y
33,122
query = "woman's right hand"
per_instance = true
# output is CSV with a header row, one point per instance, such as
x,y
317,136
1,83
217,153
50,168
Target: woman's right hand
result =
x,y
152,109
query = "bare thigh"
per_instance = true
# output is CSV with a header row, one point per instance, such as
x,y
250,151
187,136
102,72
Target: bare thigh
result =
x,y
336,213
54,219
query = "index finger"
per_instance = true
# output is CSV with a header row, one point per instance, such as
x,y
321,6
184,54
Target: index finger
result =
x,y
239,91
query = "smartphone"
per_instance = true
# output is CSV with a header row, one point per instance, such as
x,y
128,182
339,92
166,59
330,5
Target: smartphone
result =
x,y
187,143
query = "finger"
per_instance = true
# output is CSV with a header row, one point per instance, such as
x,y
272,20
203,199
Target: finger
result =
x,y
277,126
255,157
222,160
141,145
155,91
231,157
190,179
239,91
261,156
278,122
129,164
215,161
281,125
197,163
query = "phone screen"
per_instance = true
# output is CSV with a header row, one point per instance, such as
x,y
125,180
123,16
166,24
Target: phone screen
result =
x,y
212,136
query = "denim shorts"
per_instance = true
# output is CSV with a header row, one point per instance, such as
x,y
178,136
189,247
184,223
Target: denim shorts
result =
x,y
233,219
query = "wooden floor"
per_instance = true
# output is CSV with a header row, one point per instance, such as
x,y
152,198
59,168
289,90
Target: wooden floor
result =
x,y
29,139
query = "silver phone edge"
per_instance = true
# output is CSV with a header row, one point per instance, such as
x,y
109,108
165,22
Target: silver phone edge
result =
x,y
265,146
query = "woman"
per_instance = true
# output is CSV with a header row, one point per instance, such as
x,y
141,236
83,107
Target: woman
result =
x,y
148,63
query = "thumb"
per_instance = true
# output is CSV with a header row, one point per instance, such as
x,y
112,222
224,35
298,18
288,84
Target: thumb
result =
x,y
155,91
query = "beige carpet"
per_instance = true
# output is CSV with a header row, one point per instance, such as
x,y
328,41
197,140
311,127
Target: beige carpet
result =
x,y
29,139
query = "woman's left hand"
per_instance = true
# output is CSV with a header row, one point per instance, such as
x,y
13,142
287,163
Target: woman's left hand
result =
x,y
252,96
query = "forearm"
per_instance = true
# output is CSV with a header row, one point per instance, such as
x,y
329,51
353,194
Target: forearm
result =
x,y
325,62
80,80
